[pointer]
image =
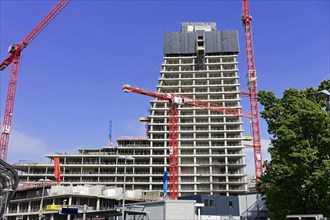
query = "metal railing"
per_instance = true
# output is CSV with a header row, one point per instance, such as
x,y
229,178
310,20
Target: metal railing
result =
x,y
257,210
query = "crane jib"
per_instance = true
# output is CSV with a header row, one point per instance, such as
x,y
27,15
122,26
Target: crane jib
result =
x,y
14,59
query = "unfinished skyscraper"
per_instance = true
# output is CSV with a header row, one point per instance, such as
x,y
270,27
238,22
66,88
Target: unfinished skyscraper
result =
x,y
199,62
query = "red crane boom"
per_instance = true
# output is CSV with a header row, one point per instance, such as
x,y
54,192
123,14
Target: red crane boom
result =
x,y
175,100
13,58
179,99
252,83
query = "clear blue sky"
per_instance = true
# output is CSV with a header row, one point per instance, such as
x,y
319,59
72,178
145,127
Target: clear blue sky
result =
x,y
72,73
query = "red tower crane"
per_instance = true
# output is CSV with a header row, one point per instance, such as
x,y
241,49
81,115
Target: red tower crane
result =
x,y
252,83
14,56
175,100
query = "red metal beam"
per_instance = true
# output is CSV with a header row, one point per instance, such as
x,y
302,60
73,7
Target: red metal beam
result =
x,y
252,82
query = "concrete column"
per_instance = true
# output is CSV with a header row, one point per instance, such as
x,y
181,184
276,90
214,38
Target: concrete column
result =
x,y
18,207
98,204
70,201
29,206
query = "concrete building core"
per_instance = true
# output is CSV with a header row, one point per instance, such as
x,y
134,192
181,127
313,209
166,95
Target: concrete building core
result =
x,y
199,62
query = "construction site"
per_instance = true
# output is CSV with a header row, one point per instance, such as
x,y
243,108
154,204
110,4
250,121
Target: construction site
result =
x,y
190,164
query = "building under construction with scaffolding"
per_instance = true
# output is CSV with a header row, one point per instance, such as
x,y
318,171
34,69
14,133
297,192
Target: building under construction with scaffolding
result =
x,y
199,62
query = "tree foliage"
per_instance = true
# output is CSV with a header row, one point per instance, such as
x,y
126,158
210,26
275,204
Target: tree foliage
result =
x,y
297,179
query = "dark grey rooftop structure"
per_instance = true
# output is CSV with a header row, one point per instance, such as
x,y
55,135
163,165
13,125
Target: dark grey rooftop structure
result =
x,y
216,42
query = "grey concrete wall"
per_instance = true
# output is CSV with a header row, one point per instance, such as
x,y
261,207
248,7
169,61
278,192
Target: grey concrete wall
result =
x,y
155,210
180,209
170,209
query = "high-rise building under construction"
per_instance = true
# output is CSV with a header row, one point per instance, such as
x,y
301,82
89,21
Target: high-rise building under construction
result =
x,y
199,62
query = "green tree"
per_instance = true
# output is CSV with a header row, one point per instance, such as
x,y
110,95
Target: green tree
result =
x,y
297,179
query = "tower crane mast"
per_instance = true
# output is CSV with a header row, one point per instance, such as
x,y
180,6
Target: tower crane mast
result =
x,y
252,84
174,101
13,58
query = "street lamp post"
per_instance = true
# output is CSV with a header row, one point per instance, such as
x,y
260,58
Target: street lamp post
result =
x,y
42,195
7,190
125,157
